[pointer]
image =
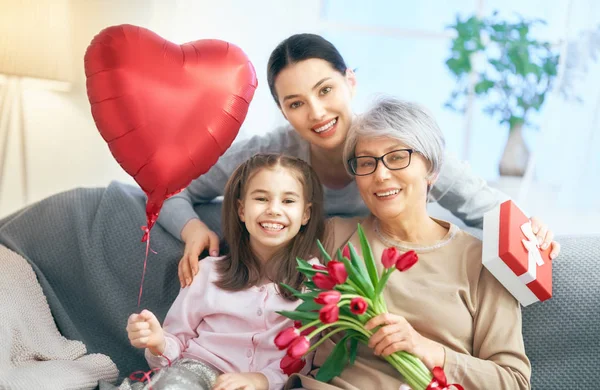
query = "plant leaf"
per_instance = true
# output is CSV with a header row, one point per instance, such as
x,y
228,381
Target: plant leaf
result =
x,y
326,256
303,263
360,281
304,296
309,306
335,363
291,289
359,264
353,349
483,86
300,315
368,257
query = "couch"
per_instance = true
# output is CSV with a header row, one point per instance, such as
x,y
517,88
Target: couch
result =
x,y
72,239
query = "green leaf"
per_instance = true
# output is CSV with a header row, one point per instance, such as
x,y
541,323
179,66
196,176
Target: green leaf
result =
x,y
359,280
499,27
303,263
326,256
359,264
291,289
483,86
538,101
550,66
305,267
353,349
345,311
353,275
309,306
308,296
368,256
299,315
309,273
335,363
514,121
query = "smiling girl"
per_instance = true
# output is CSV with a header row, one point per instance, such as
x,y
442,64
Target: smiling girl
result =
x,y
220,332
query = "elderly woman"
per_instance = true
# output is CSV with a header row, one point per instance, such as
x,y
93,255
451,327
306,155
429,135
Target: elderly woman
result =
x,y
447,309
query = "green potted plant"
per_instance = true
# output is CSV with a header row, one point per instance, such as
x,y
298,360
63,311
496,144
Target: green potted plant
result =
x,y
500,63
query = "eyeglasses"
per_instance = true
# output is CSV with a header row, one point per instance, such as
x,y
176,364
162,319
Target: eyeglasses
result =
x,y
394,160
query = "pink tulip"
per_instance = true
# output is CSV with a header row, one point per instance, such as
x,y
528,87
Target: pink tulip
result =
x,y
329,313
324,282
406,261
389,257
291,366
346,252
327,297
298,347
337,271
286,337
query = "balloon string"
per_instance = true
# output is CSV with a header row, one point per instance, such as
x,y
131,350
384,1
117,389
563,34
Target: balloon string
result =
x,y
144,376
147,239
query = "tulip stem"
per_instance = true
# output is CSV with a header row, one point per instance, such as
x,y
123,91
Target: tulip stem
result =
x,y
344,288
355,287
419,376
303,328
383,280
322,339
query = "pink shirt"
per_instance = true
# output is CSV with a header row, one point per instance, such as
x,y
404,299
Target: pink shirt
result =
x,y
233,331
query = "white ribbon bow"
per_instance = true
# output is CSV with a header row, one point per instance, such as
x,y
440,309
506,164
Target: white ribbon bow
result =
x,y
534,257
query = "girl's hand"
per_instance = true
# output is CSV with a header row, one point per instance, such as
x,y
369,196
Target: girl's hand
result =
x,y
197,237
545,236
243,381
396,334
144,331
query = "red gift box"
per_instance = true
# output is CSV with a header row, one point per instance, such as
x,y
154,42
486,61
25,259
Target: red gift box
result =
x,y
511,254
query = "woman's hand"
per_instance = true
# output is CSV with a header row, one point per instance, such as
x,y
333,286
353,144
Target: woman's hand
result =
x,y
197,237
241,381
545,237
144,331
396,334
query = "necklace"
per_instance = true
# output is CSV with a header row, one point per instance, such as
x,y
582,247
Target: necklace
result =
x,y
389,242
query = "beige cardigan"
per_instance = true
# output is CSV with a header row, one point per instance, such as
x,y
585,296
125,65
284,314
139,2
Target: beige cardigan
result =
x,y
447,297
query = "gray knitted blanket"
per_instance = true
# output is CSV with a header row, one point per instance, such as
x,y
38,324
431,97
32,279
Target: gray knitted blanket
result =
x,y
34,355
84,246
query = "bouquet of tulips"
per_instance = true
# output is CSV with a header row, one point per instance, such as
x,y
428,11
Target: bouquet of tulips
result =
x,y
341,297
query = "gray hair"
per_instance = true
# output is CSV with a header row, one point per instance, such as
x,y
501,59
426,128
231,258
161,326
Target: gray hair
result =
x,y
407,122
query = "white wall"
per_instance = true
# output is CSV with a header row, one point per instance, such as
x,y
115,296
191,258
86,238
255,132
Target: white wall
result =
x,y
64,147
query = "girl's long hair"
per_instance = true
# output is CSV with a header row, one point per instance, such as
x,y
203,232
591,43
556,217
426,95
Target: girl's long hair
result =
x,y
241,269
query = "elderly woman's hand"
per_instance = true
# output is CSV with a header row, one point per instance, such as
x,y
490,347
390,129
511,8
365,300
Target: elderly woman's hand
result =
x,y
545,237
396,334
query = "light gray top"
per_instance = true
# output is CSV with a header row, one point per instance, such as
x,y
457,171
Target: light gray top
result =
x,y
457,189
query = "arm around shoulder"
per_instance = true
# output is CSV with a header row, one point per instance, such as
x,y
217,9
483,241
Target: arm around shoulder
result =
x,y
466,195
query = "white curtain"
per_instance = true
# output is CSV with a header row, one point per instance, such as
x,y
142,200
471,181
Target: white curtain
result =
x,y
566,158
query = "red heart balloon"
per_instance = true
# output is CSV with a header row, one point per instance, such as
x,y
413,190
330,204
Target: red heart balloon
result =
x,y
167,111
